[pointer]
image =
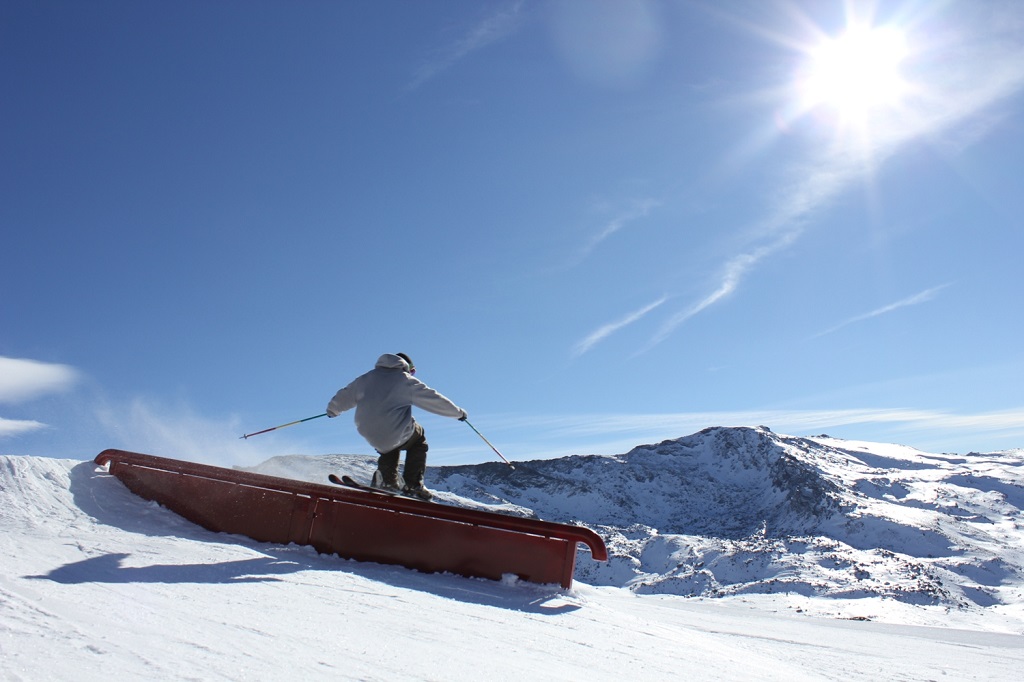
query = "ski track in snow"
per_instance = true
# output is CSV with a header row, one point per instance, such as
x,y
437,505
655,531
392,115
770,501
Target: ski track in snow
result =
x,y
97,582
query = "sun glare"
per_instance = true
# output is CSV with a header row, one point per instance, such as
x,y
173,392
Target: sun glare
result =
x,y
856,73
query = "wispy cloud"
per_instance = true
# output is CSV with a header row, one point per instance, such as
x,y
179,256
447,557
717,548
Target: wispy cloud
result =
x,y
606,330
494,27
916,299
784,226
22,379
733,273
14,427
781,420
618,433
639,209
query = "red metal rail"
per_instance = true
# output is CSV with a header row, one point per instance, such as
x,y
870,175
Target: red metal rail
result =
x,y
355,524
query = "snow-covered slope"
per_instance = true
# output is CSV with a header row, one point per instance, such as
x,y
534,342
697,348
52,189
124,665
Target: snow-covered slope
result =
x,y
798,537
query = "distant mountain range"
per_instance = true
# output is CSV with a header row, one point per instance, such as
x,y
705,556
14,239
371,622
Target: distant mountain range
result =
x,y
744,510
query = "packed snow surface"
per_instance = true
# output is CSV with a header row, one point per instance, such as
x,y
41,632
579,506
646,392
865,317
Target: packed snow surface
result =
x,y
736,554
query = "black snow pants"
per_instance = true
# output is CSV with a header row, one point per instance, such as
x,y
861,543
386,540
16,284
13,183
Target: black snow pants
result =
x,y
415,460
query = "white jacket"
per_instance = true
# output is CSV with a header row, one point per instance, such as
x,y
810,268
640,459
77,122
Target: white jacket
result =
x,y
383,398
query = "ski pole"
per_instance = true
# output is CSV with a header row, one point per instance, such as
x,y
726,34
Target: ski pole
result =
x,y
275,428
492,447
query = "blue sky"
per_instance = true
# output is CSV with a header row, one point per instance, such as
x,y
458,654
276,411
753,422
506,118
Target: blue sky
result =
x,y
591,224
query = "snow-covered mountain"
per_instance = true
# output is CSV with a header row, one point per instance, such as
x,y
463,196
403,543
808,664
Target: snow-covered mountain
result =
x,y
737,554
731,511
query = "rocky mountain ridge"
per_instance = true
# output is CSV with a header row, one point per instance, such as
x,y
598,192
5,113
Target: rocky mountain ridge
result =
x,y
745,510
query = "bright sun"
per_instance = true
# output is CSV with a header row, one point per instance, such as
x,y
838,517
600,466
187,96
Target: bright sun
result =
x,y
856,73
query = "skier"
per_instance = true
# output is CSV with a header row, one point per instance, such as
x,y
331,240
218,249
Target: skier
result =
x,y
383,398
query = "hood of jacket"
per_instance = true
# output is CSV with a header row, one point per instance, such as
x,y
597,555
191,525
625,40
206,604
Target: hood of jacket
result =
x,y
392,361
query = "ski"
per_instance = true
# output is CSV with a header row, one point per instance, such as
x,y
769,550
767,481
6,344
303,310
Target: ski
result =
x,y
350,482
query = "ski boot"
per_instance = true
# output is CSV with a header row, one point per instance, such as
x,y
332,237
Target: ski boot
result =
x,y
418,491
392,483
